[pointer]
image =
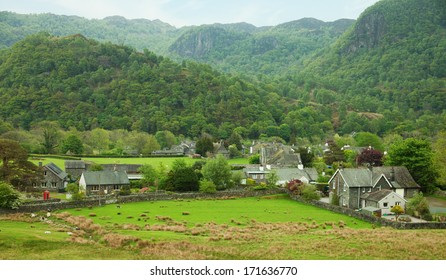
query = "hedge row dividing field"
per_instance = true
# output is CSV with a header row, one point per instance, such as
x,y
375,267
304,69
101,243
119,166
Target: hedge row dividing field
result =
x,y
269,227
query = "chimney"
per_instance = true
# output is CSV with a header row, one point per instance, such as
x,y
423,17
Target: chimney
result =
x,y
392,174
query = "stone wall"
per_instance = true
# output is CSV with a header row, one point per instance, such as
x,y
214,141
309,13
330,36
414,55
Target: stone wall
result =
x,y
371,219
60,205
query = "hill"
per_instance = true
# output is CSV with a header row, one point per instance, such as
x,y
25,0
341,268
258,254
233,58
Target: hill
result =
x,y
82,83
138,33
238,47
246,49
392,61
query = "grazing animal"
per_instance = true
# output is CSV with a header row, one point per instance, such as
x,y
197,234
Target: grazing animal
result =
x,y
47,232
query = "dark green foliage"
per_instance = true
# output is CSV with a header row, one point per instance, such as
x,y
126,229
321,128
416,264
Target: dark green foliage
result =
x,y
204,145
182,179
72,145
218,171
417,156
302,81
9,198
254,159
15,169
81,83
306,155
333,154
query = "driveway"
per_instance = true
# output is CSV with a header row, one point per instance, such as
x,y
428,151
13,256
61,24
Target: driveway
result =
x,y
436,205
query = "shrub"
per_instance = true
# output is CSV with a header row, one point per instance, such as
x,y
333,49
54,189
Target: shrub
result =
x,y
309,192
9,197
207,186
418,206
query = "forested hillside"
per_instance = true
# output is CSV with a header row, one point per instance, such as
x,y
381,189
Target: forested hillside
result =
x,y
308,79
258,51
390,68
139,33
239,47
84,84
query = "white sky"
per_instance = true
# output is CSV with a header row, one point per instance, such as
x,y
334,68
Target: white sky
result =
x,y
196,12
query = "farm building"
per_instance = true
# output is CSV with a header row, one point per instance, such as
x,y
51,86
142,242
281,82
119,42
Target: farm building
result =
x,y
107,182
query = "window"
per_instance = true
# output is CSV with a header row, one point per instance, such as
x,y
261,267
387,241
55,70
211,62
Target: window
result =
x,y
54,184
369,190
385,204
43,185
94,188
398,203
115,187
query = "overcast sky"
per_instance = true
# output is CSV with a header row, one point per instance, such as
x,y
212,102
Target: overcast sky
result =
x,y
196,12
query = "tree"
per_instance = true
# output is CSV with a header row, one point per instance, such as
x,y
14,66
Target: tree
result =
x,y
367,139
182,179
73,189
439,158
204,145
333,154
9,198
397,210
218,171
149,175
15,168
73,145
272,178
370,156
254,159
306,155
418,206
417,156
165,138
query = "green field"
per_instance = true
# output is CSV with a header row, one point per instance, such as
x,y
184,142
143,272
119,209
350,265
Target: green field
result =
x,y
154,161
271,227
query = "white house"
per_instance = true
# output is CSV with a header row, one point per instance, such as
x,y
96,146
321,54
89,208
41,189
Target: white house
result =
x,y
383,199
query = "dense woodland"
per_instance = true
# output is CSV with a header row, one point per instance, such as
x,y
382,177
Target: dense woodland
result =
x,y
301,82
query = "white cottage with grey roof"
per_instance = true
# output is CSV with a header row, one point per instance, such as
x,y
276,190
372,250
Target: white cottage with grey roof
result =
x,y
96,182
352,184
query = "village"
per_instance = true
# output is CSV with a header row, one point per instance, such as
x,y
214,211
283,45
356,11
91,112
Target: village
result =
x,y
371,190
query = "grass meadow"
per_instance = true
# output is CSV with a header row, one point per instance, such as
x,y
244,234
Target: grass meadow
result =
x,y
270,227
154,161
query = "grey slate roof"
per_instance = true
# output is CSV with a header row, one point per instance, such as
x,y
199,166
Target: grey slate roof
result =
x,y
398,176
129,168
74,164
288,174
56,170
106,178
377,195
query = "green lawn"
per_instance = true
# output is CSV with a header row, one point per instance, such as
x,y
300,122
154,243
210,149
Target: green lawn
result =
x,y
270,227
270,209
154,161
